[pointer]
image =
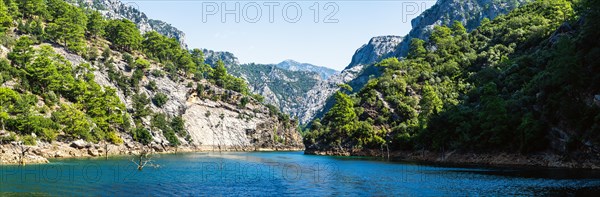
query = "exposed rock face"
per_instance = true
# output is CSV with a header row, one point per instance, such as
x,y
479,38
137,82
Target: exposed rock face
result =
x,y
469,12
378,48
213,124
317,98
222,126
282,88
79,144
13,154
211,57
115,9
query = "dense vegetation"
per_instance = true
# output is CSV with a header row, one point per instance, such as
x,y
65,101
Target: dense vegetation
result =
x,y
507,85
45,97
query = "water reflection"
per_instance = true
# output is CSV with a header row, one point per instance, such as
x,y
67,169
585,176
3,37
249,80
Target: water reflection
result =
x,y
287,173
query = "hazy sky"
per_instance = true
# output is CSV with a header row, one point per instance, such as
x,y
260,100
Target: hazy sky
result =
x,y
273,31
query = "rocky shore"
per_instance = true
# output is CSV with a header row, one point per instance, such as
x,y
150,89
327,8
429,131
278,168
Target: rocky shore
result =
x,y
541,159
13,154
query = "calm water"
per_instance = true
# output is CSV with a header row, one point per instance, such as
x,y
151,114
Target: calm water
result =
x,y
287,173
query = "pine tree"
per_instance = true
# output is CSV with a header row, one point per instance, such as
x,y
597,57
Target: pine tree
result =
x,y
22,51
123,34
69,28
30,8
96,24
5,18
13,9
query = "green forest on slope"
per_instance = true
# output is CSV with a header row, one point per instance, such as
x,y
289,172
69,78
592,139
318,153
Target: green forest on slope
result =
x,y
44,97
508,85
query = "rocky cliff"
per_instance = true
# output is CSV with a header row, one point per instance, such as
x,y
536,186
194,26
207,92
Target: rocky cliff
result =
x,y
469,12
211,57
280,87
356,73
377,49
214,118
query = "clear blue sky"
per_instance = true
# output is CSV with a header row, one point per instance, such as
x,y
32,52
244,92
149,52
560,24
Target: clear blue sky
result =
x,y
257,39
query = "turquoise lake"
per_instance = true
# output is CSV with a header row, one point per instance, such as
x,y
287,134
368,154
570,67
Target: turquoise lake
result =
x,y
284,174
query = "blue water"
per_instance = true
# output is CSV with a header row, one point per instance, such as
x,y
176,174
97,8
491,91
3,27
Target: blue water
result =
x,y
283,173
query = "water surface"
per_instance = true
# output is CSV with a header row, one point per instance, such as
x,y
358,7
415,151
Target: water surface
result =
x,y
283,173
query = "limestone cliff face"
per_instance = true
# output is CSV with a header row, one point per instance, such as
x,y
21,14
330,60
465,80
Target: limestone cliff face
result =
x,y
216,126
318,97
378,48
282,88
214,119
469,12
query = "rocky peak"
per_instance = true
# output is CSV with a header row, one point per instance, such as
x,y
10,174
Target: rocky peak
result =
x,y
212,57
378,48
469,12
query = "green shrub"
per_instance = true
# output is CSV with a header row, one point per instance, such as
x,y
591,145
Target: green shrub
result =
x,y
29,140
160,99
142,63
114,138
11,137
151,86
142,135
128,58
158,73
244,101
178,126
136,77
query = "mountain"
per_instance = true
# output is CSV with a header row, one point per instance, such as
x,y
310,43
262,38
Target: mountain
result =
x,y
212,57
289,85
377,49
115,9
67,91
470,13
292,65
280,87
525,83
318,99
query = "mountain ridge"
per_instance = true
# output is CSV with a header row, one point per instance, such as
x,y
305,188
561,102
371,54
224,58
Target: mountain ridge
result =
x,y
442,13
293,65
115,9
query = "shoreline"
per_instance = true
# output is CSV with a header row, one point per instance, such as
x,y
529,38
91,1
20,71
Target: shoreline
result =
x,y
10,154
455,158
42,153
